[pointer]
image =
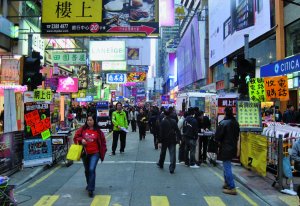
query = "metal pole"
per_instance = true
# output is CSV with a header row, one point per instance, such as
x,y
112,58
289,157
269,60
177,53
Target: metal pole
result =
x,y
30,45
280,163
246,47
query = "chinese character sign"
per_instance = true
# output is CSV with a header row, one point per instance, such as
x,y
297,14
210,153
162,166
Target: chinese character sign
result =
x,y
42,95
249,116
62,58
257,90
100,17
133,53
116,78
277,88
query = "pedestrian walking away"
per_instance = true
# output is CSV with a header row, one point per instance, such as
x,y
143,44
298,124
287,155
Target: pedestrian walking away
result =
x,y
94,144
142,123
120,123
169,135
227,134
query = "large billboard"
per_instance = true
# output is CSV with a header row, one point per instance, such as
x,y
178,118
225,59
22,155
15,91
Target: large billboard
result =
x,y
228,24
100,18
188,56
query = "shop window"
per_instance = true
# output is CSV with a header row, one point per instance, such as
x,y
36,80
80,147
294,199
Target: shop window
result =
x,y
292,33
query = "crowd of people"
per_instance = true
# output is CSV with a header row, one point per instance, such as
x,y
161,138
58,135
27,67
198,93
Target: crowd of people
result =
x,y
168,129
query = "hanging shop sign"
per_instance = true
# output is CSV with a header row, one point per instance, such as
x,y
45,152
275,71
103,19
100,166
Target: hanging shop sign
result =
x,y
140,68
83,77
257,91
133,53
116,78
107,50
37,118
67,85
42,95
136,76
249,116
37,152
62,58
51,83
282,67
100,18
114,65
85,99
254,149
277,88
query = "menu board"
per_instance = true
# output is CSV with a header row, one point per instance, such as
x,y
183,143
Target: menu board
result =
x,y
248,116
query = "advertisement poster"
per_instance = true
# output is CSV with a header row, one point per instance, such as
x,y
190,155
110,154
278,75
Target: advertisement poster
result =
x,y
67,85
83,77
51,83
277,88
37,152
100,18
257,91
37,118
107,50
136,76
249,116
229,23
254,152
190,68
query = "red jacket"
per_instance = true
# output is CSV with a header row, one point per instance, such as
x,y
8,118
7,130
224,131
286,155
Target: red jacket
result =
x,y
101,140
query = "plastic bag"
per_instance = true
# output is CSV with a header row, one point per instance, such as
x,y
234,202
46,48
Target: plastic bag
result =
x,y
74,152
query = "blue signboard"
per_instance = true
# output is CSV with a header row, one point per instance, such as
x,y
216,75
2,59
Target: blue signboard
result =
x,y
103,105
116,78
85,99
282,67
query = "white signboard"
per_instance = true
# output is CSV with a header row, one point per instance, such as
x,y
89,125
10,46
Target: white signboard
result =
x,y
114,65
107,50
229,22
116,78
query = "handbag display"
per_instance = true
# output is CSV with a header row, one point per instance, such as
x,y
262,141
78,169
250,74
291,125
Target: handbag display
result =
x,y
74,152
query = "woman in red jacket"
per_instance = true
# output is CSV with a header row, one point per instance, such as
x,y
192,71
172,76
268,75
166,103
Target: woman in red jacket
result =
x,y
94,147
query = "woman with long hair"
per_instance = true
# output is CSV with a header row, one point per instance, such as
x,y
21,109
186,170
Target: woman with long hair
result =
x,y
93,141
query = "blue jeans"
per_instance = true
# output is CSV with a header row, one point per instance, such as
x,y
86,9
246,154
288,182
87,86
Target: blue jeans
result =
x,y
228,176
172,153
90,162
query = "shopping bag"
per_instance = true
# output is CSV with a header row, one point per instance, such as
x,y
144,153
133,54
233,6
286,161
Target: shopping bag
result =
x,y
74,152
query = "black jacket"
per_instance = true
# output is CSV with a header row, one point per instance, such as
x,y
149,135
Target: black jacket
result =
x,y
227,134
190,128
168,131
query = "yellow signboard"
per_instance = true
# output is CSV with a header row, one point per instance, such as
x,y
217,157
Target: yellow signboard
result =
x,y
55,11
42,95
254,152
249,116
257,90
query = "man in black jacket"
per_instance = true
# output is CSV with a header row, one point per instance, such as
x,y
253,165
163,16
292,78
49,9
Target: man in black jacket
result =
x,y
227,134
190,135
167,139
203,126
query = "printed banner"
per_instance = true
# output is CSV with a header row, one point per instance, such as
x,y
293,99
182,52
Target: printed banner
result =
x,y
257,90
277,88
249,116
100,18
42,95
37,152
254,152
37,118
62,58
136,76
133,53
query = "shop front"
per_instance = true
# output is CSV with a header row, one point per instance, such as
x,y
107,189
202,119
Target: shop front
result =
x,y
289,67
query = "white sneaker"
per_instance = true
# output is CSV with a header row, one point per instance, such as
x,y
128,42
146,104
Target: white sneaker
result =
x,y
182,162
194,166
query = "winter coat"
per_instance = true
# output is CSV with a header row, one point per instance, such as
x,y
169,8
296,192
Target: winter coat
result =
x,y
168,131
190,128
227,134
100,140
